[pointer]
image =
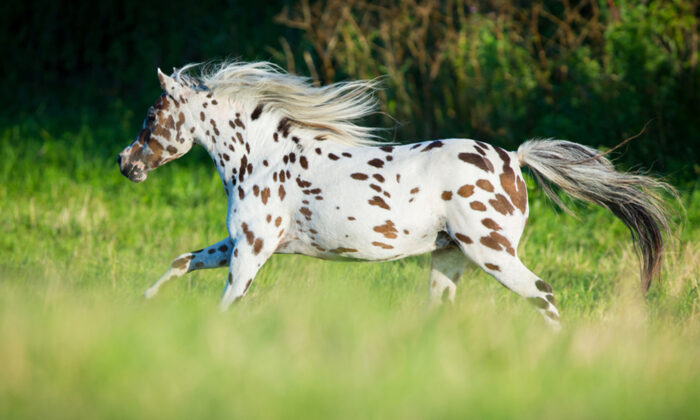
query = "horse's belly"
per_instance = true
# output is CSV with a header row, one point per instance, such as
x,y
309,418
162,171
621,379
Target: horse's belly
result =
x,y
357,246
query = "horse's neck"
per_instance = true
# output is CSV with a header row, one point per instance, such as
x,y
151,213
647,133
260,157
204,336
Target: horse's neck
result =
x,y
238,143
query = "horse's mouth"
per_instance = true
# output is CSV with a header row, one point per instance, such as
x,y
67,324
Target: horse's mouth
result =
x,y
140,177
133,172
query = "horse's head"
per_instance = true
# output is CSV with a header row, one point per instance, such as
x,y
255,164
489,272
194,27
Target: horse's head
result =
x,y
164,136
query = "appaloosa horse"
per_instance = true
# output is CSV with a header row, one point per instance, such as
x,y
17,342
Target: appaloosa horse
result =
x,y
302,178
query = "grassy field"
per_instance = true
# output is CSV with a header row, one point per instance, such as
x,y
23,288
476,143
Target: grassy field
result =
x,y
79,244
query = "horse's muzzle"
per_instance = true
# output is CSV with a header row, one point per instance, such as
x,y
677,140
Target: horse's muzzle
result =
x,y
135,173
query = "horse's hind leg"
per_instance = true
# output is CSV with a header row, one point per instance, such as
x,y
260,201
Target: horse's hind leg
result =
x,y
500,260
446,268
512,273
213,256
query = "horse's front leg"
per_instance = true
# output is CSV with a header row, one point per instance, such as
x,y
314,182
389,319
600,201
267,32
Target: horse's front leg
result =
x,y
249,254
213,256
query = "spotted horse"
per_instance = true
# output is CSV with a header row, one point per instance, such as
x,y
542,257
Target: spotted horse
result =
x,y
301,177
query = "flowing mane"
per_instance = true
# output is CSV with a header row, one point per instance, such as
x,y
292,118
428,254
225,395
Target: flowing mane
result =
x,y
331,109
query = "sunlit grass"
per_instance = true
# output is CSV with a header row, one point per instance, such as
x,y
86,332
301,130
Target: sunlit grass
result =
x,y
80,244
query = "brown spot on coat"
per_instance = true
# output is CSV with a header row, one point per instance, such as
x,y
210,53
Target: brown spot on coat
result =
x,y
464,238
341,250
484,185
303,162
382,245
477,160
359,176
465,190
247,285
415,190
477,205
257,111
332,156
433,145
249,236
538,302
302,183
493,267
502,205
257,246
306,212
498,242
284,126
485,146
213,125
543,287
379,201
491,224
378,163
161,131
378,177
513,185
446,195
281,192
388,229
278,221
265,195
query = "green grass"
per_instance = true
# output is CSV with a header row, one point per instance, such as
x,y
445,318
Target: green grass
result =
x,y
79,244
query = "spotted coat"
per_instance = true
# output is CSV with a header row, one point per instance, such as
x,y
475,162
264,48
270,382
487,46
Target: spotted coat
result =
x,y
291,190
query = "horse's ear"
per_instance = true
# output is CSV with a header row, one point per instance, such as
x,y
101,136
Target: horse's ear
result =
x,y
169,85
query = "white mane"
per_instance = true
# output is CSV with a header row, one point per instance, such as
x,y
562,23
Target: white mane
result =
x,y
330,109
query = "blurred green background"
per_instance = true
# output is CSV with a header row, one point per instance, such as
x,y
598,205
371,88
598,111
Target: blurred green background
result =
x,y
502,71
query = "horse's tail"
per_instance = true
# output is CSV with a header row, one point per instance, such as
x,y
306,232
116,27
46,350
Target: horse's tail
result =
x,y
584,173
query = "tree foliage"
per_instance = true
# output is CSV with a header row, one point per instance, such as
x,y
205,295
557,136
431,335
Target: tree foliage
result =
x,y
591,71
